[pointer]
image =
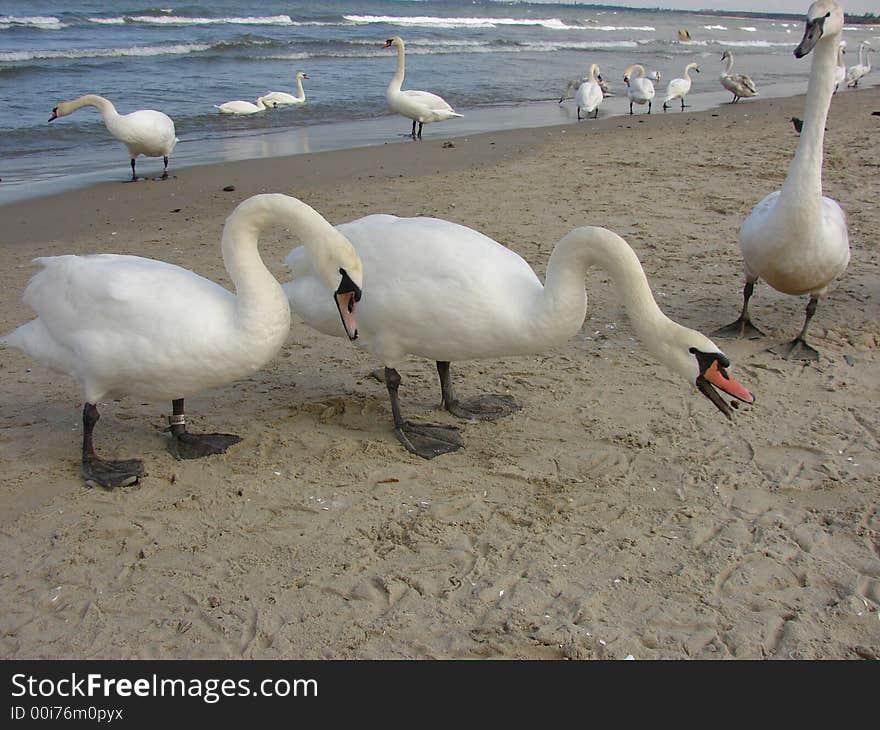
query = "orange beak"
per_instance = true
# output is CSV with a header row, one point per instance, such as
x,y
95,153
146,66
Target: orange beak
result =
x,y
717,377
346,303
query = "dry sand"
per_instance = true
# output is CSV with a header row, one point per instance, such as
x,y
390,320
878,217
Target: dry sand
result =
x,y
617,514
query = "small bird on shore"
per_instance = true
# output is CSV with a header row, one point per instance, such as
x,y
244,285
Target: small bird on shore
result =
x,y
798,124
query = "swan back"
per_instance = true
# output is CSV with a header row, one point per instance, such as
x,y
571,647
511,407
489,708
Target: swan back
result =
x,y
145,132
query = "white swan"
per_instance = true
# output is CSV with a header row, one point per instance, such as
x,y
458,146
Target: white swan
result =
x,y
862,68
740,85
639,90
589,94
281,98
840,68
679,88
796,239
573,85
243,107
129,325
445,292
420,106
145,132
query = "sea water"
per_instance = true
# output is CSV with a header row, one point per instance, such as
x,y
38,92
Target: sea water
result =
x,y
500,64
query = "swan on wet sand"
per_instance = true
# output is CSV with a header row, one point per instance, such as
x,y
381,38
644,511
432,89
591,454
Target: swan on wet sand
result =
x,y
420,106
145,132
740,85
679,88
796,239
640,90
127,325
243,107
862,68
573,85
444,292
589,94
281,98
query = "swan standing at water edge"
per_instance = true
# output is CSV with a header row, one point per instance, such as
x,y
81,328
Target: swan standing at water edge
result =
x,y
145,132
126,325
281,98
420,106
740,85
243,107
862,68
796,239
679,88
445,292
589,94
640,90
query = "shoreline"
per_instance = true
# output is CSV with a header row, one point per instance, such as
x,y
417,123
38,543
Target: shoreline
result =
x,y
618,513
294,141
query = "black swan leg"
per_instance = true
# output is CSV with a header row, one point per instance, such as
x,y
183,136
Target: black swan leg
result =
x,y
483,408
422,439
104,473
798,349
742,327
186,445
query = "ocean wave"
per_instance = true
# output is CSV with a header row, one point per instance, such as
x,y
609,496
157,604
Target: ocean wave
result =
x,y
178,49
612,28
749,28
31,21
715,27
183,20
439,22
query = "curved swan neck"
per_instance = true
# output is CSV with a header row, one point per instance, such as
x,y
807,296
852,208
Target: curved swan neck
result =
x,y
105,106
397,79
301,92
584,248
804,181
728,65
257,289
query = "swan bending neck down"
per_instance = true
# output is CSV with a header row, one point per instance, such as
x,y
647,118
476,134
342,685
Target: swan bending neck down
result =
x,y
420,106
445,292
796,239
243,107
640,90
145,132
126,325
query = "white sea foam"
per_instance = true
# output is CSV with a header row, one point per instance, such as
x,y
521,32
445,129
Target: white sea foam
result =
x,y
749,28
715,27
612,28
18,56
31,21
182,20
438,22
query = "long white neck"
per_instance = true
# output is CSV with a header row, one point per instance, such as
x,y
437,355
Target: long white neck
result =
x,y
397,79
261,103
687,69
594,73
840,61
105,106
804,181
861,54
561,311
301,92
260,300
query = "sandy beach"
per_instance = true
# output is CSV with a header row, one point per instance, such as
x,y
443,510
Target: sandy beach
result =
x,y
617,514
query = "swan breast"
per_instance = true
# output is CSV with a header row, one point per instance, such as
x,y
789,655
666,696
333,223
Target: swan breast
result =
x,y
794,249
